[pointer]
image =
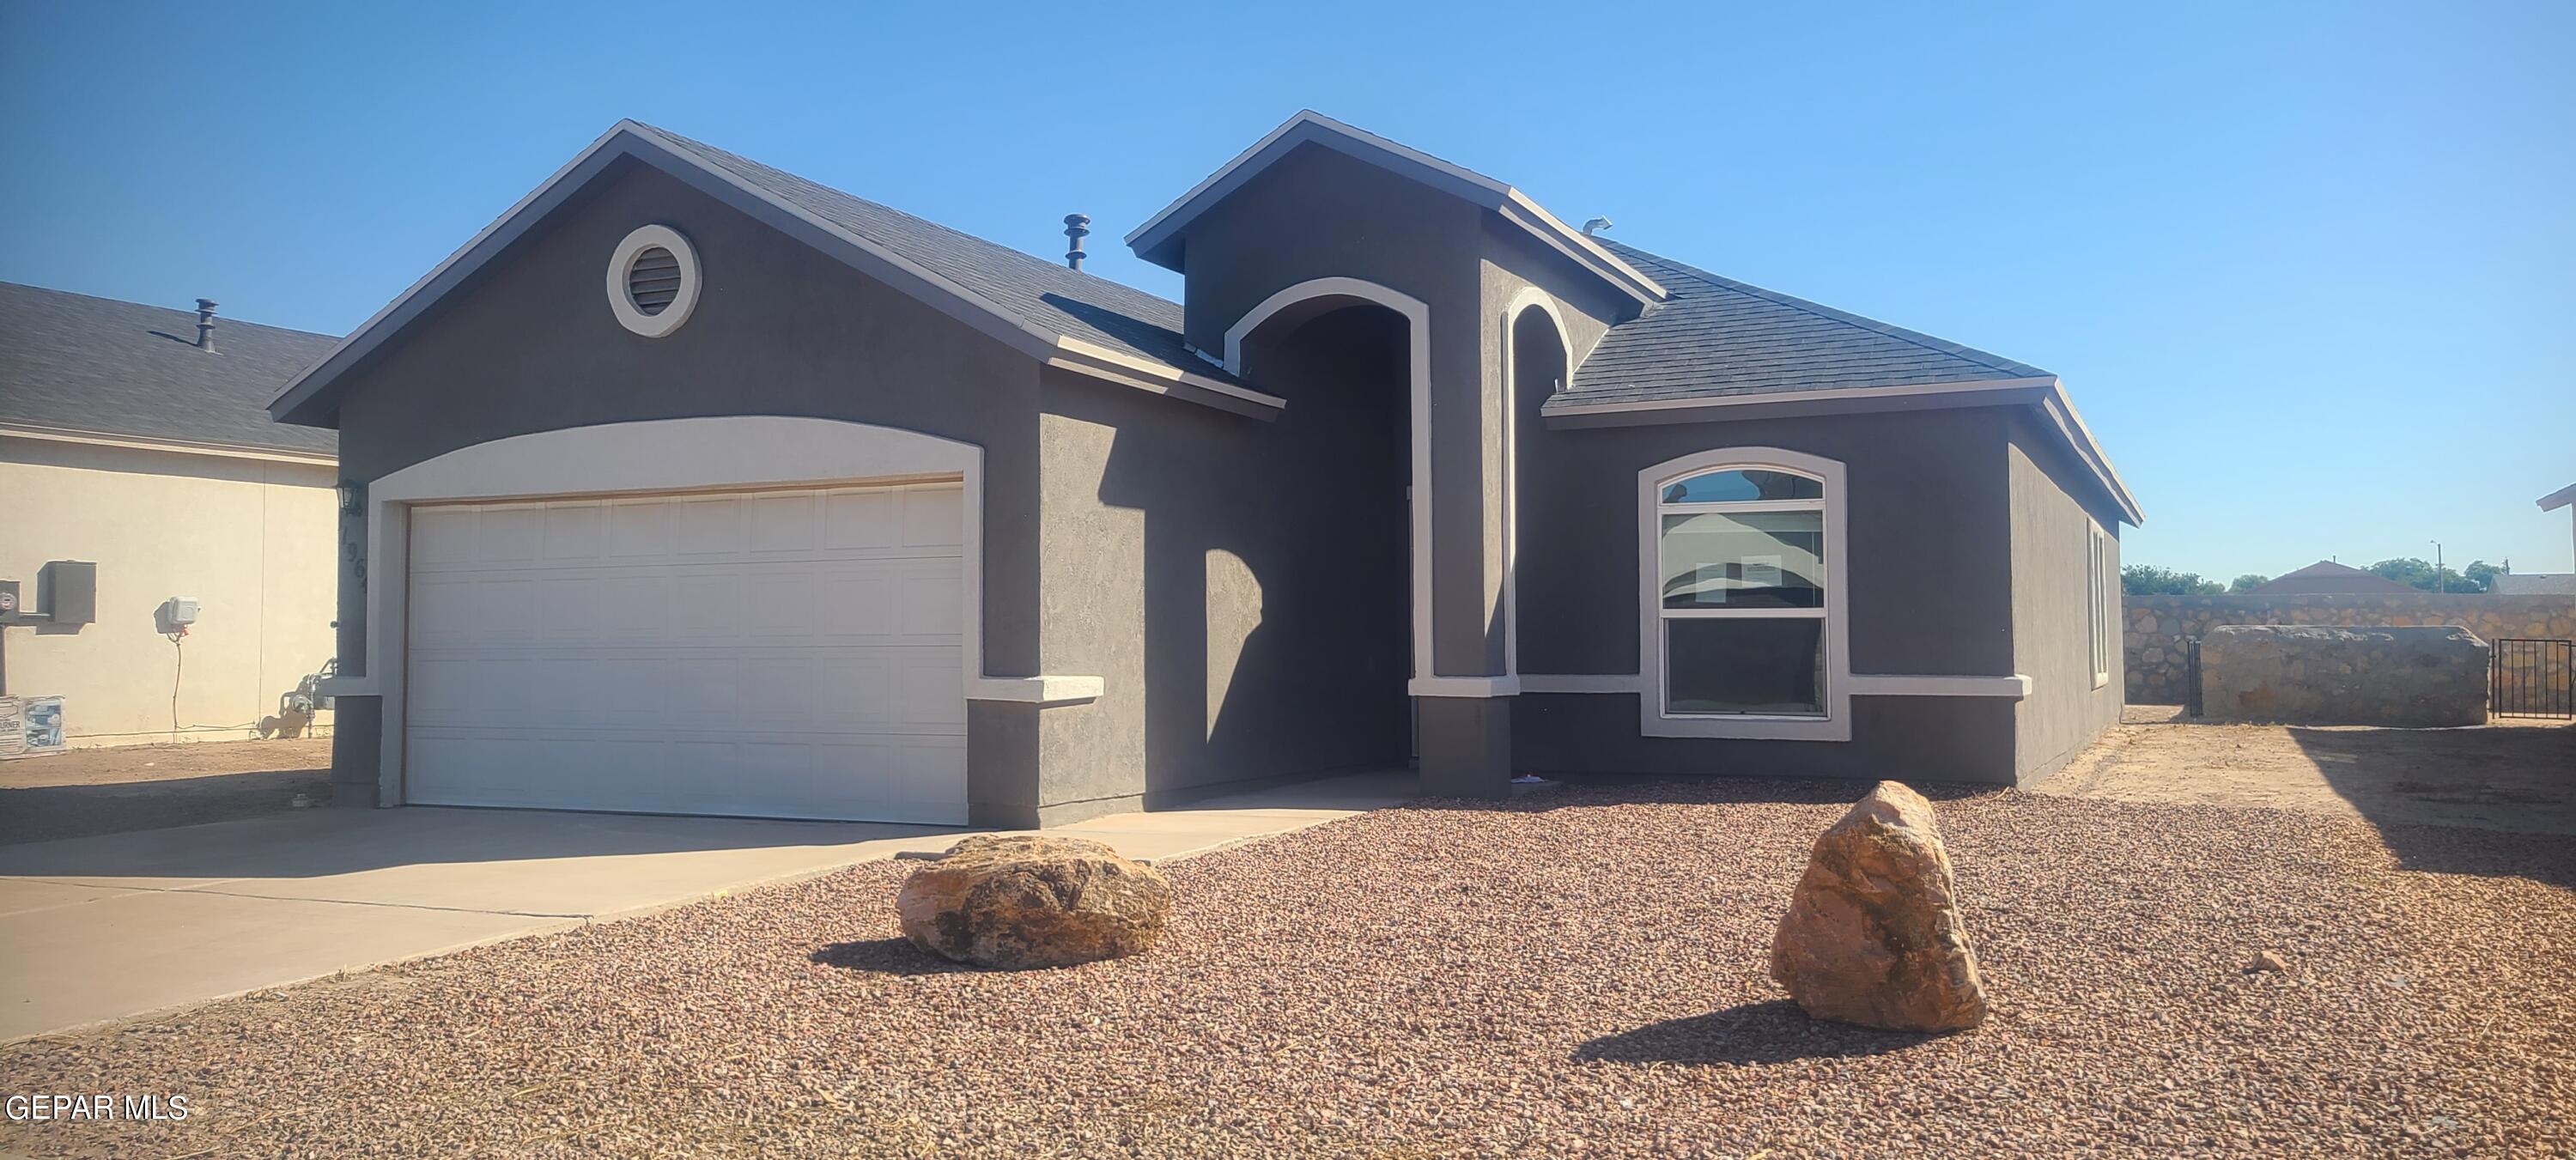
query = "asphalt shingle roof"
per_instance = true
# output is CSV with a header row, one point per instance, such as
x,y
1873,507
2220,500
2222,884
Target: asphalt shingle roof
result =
x,y
1044,294
1719,337
73,362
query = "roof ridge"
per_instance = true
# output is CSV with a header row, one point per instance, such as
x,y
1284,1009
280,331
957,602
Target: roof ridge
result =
x,y
228,320
739,163
2014,368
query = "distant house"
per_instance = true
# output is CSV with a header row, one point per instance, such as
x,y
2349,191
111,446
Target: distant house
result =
x,y
2543,583
135,438
2326,576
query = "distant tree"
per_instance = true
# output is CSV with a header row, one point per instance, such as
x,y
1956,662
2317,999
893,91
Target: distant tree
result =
x,y
2248,582
2482,574
2414,573
2149,580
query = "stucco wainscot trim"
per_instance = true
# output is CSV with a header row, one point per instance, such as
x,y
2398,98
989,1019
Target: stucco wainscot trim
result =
x,y
2012,688
1426,680
668,455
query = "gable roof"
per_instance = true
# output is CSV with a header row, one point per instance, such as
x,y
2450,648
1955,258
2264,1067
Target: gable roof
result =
x,y
1064,317
1158,240
2328,576
74,365
1716,336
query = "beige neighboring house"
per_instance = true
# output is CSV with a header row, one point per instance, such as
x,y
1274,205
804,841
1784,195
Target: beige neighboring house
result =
x,y
2543,583
2326,576
137,438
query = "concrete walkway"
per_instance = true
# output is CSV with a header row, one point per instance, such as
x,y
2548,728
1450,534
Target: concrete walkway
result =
x,y
109,927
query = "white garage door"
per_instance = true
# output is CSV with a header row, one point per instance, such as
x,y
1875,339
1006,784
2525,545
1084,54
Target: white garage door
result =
x,y
770,654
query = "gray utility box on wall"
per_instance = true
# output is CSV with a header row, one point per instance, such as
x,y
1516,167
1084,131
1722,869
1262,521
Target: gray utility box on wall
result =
x,y
66,593
69,590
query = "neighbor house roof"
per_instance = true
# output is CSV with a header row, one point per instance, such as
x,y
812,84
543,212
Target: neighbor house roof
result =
x,y
1160,239
76,366
2533,584
2327,576
1064,317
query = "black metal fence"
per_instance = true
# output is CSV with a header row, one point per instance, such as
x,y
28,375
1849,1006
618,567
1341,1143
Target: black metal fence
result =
x,y
2531,677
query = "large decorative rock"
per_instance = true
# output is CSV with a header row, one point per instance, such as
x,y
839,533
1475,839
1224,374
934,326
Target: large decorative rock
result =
x,y
1023,902
1873,935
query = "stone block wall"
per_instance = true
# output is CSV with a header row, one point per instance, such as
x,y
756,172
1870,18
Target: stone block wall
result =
x,y
2410,677
2158,625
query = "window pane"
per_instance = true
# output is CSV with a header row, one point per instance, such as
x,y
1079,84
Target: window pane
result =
x,y
1744,560
1746,665
1743,484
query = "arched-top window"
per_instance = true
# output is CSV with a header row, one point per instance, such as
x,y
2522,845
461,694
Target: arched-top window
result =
x,y
1743,629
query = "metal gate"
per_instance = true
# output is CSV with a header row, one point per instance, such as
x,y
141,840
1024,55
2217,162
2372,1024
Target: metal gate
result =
x,y
2532,677
2191,677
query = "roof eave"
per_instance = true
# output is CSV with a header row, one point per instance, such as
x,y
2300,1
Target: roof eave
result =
x,y
2559,498
2042,392
1159,239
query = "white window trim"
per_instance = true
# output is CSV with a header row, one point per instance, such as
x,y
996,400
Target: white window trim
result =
x,y
644,238
1653,721
2097,582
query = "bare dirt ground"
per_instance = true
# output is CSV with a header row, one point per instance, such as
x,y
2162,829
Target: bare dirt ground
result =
x,y
2518,776
1574,973
149,787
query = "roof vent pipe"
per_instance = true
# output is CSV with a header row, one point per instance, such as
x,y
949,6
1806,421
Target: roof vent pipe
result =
x,y
1077,226
1594,226
206,325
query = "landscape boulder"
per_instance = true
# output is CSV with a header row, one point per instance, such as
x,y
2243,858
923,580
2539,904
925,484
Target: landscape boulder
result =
x,y
1873,935
1023,902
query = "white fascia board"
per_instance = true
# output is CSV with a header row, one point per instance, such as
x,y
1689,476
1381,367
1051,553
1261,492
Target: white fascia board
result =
x,y
2061,411
2559,498
631,139
1099,362
2035,386
174,446
1310,126
2047,393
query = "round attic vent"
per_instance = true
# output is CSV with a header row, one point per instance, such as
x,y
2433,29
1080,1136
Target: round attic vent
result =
x,y
653,281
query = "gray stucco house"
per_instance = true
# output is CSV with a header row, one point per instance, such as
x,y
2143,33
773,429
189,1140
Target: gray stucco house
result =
x,y
691,486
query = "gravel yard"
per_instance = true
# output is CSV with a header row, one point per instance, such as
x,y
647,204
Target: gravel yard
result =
x,y
1573,972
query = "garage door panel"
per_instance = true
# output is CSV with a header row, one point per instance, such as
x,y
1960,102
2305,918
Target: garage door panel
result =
x,y
707,527
791,654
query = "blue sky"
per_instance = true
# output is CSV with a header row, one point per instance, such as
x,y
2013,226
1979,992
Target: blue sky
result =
x,y
2306,268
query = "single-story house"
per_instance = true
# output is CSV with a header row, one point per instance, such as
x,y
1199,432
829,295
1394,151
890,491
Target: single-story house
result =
x,y
136,440
693,486
2327,576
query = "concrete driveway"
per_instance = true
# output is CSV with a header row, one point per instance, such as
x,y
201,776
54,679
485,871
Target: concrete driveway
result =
x,y
102,928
